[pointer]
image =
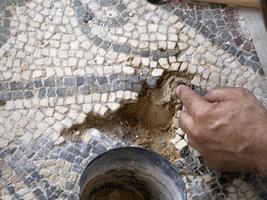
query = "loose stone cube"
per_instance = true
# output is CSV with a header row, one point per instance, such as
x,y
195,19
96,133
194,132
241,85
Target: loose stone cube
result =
x,y
210,58
214,77
172,59
200,39
196,153
70,100
97,108
153,64
72,62
196,80
180,132
39,116
73,114
136,62
96,97
63,54
86,137
192,33
53,52
192,69
16,116
174,66
99,60
58,116
163,29
103,110
183,37
37,74
81,118
113,106
173,37
157,72
171,45
59,141
183,67
62,109
104,97
128,70
181,145
182,45
153,27
112,96
87,108
176,139
10,105
145,62
26,137
163,61
49,112
127,95
134,43
162,45
134,96
186,137
38,18
86,45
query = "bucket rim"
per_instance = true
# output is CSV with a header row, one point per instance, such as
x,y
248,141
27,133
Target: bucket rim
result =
x,y
140,149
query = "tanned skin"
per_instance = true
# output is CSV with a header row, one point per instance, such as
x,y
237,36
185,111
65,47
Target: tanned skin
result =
x,y
228,126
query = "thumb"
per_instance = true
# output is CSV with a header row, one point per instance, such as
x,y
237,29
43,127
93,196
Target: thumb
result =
x,y
191,100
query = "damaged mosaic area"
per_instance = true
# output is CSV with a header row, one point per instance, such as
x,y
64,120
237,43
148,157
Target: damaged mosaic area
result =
x,y
64,63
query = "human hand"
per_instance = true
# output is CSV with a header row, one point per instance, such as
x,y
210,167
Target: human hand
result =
x,y
228,126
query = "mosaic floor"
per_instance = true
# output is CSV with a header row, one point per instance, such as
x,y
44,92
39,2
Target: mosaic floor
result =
x,y
61,60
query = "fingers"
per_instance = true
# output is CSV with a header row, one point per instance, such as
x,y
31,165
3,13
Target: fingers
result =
x,y
191,100
192,143
221,94
186,122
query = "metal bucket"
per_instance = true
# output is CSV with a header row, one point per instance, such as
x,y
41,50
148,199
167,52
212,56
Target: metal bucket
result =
x,y
131,173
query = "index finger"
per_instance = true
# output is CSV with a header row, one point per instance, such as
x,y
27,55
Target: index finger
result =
x,y
221,94
191,100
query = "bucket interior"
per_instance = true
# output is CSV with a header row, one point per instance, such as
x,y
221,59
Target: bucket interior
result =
x,y
131,174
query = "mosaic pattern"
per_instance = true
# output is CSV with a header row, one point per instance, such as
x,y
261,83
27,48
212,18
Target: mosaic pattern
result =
x,y
220,185
6,8
73,86
64,60
95,33
220,24
43,170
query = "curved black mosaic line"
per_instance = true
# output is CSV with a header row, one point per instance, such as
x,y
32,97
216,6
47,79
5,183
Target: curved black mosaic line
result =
x,y
207,19
220,28
121,17
21,160
73,85
83,13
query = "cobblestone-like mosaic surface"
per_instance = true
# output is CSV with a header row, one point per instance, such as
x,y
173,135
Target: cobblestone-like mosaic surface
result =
x,y
220,24
42,170
61,60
